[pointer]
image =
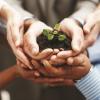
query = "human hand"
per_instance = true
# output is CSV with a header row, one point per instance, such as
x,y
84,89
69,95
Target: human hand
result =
x,y
74,31
92,28
35,76
15,30
74,68
79,67
30,40
71,28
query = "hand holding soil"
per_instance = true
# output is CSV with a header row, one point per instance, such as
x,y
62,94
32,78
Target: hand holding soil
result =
x,y
51,42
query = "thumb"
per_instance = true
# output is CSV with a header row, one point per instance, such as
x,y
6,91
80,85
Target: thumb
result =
x,y
91,38
88,26
30,45
77,40
35,47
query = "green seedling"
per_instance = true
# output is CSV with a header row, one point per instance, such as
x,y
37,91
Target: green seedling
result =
x,y
55,33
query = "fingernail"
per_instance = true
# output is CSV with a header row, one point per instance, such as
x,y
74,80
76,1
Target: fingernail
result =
x,y
70,61
76,48
17,43
30,67
36,74
86,30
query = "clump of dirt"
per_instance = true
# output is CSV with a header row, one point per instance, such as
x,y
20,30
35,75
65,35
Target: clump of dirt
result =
x,y
54,39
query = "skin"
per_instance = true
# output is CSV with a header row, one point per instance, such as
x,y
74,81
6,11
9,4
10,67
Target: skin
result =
x,y
78,68
15,25
85,38
15,37
7,76
79,42
15,29
92,27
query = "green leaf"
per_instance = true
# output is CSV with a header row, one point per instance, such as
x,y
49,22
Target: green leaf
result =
x,y
57,27
61,37
55,32
46,32
50,36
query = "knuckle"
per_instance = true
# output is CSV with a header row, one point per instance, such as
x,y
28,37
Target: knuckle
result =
x,y
64,21
91,40
79,30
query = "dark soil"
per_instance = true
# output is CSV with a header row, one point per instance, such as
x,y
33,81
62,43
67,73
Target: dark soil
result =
x,y
54,44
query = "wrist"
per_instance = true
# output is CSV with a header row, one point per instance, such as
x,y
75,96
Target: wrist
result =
x,y
15,71
90,71
7,12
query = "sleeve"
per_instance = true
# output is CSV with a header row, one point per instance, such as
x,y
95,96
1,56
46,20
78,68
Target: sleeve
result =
x,y
14,2
84,8
89,85
17,6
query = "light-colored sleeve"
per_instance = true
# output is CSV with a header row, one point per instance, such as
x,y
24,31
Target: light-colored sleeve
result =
x,y
17,6
83,9
14,2
89,85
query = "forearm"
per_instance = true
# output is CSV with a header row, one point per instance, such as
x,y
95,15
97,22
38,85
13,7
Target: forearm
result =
x,y
7,76
90,85
84,8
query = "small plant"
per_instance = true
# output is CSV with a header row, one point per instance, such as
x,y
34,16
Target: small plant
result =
x,y
57,40
55,33
54,39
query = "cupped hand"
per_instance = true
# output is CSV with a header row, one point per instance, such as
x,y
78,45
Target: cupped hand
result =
x,y
31,46
74,68
36,77
74,31
15,30
92,28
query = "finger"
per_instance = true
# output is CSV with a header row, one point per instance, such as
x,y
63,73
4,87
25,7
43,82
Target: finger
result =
x,y
18,52
67,82
77,39
17,61
17,32
49,68
30,45
53,71
57,60
66,54
21,64
21,56
28,74
47,80
71,28
89,25
75,61
44,54
73,72
31,74
39,67
91,38
56,51
37,31
35,64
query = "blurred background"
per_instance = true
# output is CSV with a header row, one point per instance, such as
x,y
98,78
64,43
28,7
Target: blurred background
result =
x,y
21,89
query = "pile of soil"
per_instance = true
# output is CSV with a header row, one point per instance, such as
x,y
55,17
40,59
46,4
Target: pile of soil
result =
x,y
54,43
